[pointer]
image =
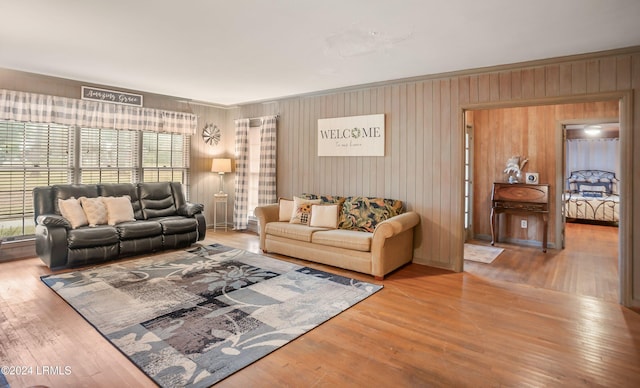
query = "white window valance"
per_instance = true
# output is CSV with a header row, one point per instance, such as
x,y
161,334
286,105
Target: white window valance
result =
x,y
41,108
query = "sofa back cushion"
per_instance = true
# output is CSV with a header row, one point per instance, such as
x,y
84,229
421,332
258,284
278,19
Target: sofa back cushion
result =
x,y
156,200
120,190
364,213
75,191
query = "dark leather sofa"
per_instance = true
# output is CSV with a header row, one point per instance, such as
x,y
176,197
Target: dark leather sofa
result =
x,y
163,220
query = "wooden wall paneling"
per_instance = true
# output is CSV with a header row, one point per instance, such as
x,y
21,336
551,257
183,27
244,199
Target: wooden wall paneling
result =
x,y
393,162
411,155
446,167
296,133
516,85
552,80
336,162
464,89
632,133
380,162
438,161
484,87
578,78
319,164
528,83
494,86
358,162
403,137
310,156
474,87
374,162
456,213
565,79
539,82
483,157
623,73
608,69
505,85
425,253
593,76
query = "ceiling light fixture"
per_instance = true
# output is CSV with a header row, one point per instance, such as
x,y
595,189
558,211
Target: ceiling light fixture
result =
x,y
592,130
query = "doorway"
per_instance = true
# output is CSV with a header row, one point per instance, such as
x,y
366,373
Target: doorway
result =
x,y
530,132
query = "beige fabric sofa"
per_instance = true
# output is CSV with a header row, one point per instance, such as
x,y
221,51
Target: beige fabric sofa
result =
x,y
377,253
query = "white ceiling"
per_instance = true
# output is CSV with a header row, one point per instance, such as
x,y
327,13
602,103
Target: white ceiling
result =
x,y
236,51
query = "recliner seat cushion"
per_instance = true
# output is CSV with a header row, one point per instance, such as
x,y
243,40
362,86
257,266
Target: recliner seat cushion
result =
x,y
177,225
87,237
138,229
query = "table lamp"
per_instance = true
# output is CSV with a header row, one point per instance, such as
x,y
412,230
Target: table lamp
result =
x,y
221,166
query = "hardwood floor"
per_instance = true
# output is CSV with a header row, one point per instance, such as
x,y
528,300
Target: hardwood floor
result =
x,y
427,327
587,266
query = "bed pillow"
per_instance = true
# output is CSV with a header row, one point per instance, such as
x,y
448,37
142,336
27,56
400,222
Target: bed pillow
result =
x,y
302,210
119,209
72,211
95,210
600,187
324,216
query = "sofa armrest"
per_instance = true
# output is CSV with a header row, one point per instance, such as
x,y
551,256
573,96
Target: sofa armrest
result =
x,y
190,209
51,244
266,214
392,243
53,220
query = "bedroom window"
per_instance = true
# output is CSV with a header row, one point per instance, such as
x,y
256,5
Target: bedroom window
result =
x,y
31,155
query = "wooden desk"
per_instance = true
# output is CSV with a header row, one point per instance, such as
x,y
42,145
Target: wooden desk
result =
x,y
519,198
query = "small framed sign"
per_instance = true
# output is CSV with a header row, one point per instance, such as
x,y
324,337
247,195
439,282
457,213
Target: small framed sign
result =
x,y
532,177
103,95
351,136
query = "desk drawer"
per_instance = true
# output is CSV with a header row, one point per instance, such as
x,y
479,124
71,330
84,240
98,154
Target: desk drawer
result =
x,y
532,207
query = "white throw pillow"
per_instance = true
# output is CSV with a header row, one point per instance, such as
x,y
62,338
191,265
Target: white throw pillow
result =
x,y
95,210
72,211
302,210
324,216
119,209
285,210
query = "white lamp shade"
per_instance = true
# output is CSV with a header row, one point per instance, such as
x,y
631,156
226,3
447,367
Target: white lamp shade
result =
x,y
221,165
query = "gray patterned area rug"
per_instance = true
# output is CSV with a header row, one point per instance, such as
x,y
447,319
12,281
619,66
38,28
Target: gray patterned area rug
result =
x,y
192,318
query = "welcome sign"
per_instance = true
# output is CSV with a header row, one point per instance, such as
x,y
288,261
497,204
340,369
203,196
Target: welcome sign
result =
x,y
351,136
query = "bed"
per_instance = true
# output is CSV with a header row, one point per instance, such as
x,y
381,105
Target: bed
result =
x,y
592,195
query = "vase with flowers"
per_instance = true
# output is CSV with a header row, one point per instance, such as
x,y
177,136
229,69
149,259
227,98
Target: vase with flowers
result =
x,y
513,171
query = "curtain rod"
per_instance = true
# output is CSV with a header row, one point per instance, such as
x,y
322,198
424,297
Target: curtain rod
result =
x,y
258,118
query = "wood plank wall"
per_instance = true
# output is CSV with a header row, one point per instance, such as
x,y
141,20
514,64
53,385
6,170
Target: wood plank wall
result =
x,y
532,132
423,165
